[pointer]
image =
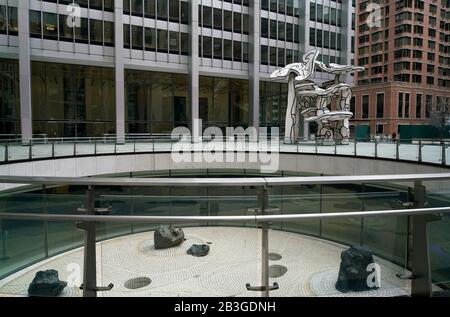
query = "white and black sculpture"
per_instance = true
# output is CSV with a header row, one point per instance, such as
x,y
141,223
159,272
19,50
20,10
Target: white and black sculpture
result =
x,y
314,103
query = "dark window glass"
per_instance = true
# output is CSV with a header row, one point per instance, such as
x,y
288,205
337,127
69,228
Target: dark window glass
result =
x,y
96,32
35,24
150,39
162,41
137,37
237,51
162,9
149,9
174,10
50,25
217,48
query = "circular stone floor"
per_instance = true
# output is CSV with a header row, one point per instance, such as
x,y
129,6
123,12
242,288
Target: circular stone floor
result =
x,y
234,260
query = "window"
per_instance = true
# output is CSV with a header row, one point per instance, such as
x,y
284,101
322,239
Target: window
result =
x,y
162,41
400,105
162,10
407,105
380,105
150,39
174,10
418,106
50,25
217,19
35,23
380,129
96,32
174,42
353,106
365,106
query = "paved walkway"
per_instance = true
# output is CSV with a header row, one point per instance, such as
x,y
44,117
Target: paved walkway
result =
x,y
312,266
430,153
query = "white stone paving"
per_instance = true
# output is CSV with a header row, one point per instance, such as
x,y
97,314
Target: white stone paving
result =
x,y
233,261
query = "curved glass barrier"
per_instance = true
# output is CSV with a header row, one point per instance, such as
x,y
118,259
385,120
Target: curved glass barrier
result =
x,y
310,250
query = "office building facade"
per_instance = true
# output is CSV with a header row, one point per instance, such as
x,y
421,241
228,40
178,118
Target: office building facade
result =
x,y
135,67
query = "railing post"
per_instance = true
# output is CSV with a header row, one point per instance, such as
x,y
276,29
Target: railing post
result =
x,y
53,149
355,147
90,267
30,150
376,148
262,209
75,148
444,159
397,150
44,192
95,146
263,203
6,152
421,273
420,151
3,257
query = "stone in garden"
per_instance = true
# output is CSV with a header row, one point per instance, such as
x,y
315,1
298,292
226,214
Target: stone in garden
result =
x,y
353,271
198,250
168,236
46,283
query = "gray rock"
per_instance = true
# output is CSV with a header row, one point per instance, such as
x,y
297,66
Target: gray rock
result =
x,y
46,283
198,250
353,270
168,236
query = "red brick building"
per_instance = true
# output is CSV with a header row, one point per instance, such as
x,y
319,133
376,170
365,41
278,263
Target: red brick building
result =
x,y
406,53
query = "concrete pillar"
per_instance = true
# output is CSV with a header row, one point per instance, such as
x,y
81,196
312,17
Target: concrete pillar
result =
x,y
25,72
255,61
194,69
119,71
346,37
304,24
303,127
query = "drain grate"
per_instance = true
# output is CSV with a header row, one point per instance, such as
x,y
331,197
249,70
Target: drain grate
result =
x,y
138,282
277,271
274,256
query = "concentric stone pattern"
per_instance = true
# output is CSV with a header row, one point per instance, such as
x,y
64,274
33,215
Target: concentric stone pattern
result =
x,y
233,261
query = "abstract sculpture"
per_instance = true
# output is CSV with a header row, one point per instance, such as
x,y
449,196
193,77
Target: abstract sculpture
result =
x,y
328,106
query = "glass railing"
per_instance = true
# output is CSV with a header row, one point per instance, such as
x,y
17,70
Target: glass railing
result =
x,y
280,236
422,151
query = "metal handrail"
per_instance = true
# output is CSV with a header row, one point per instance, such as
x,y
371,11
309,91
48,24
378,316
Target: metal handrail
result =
x,y
251,181
255,218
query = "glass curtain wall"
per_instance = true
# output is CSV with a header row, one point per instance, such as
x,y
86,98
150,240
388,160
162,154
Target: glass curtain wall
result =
x,y
72,100
223,102
156,102
9,98
272,104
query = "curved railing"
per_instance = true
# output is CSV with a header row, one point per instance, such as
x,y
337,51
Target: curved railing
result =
x,y
421,150
399,229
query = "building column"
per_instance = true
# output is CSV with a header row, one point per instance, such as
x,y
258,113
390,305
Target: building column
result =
x,y
255,61
194,70
303,127
119,71
25,72
304,25
346,36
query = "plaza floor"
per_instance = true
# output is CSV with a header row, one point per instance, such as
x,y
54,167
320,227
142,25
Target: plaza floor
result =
x,y
234,260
